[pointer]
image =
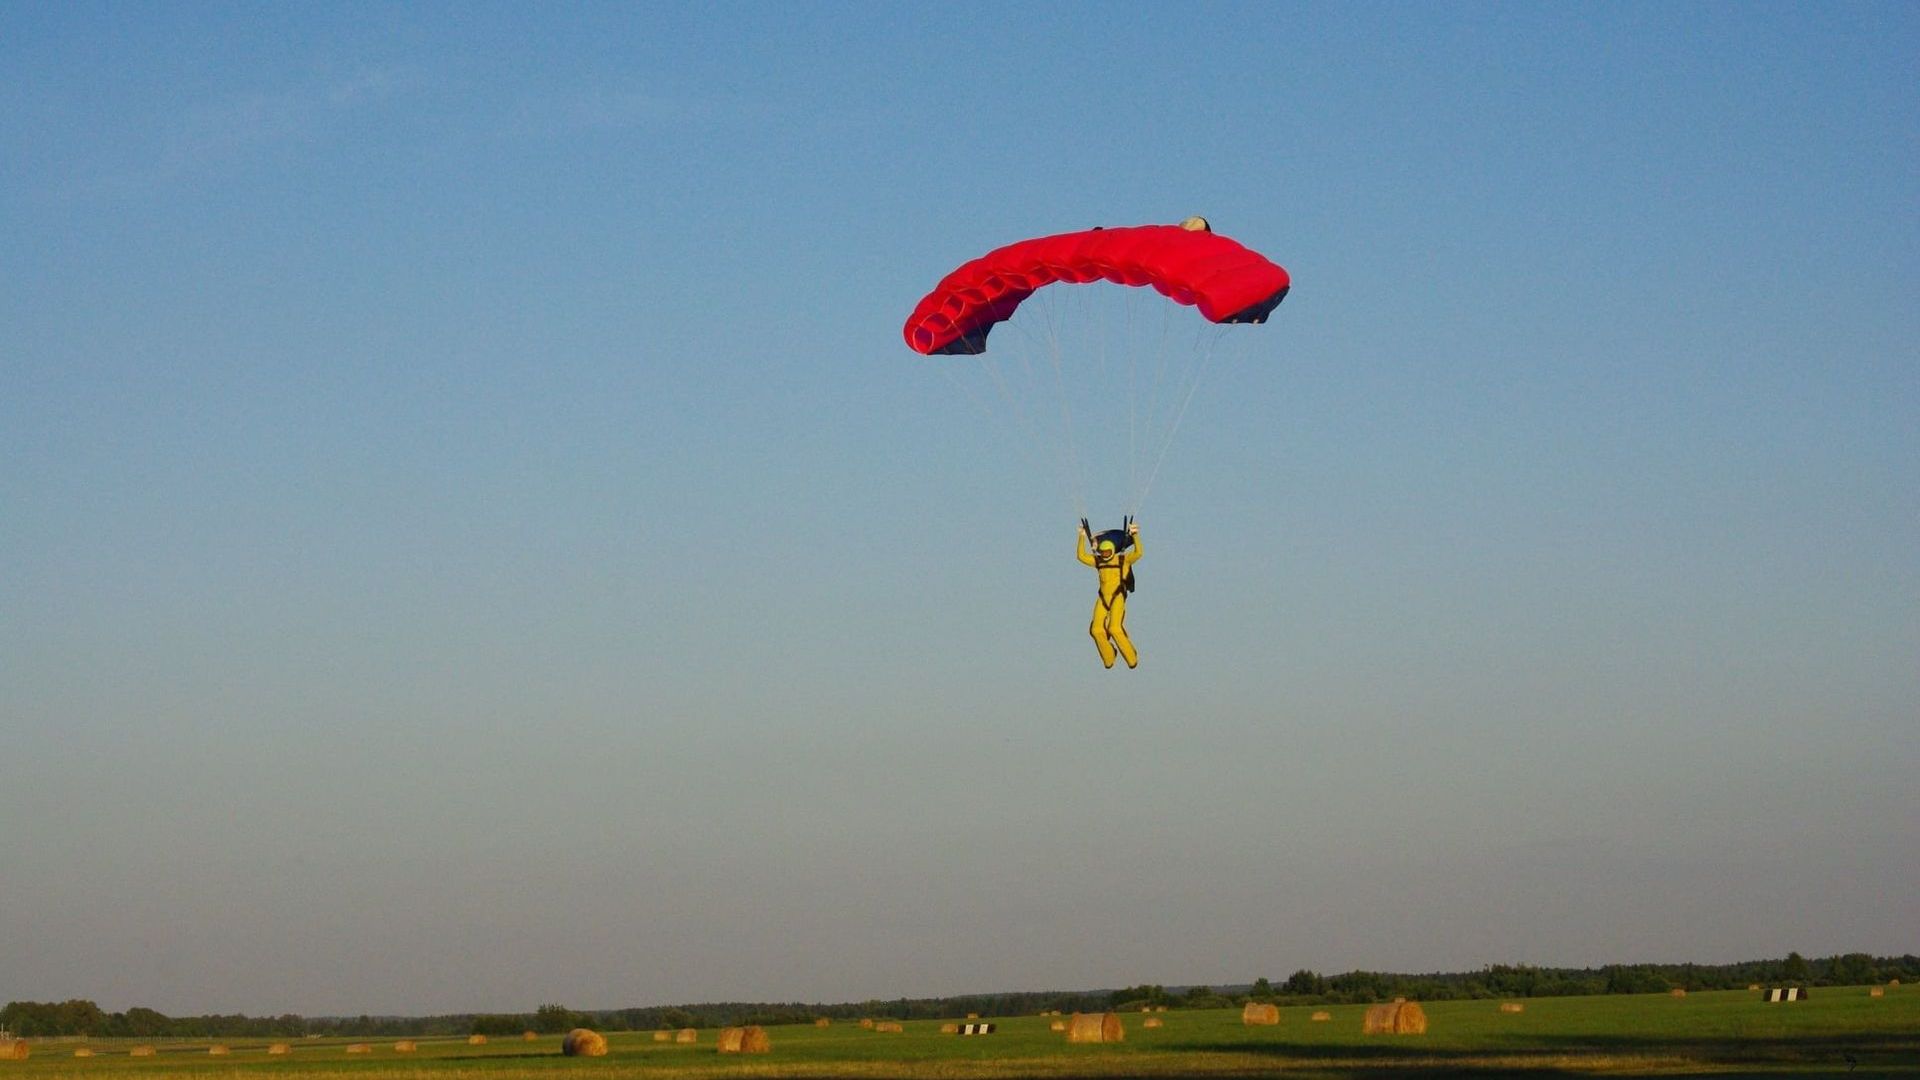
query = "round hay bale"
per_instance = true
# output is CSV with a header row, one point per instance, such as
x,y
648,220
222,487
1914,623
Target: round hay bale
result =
x,y
359,1048
1677,992
1095,1028
890,1026
583,1042
1876,991
1321,1014
949,1028
83,1052
1399,1018
1152,1022
476,1040
1893,982
1753,986
973,1016
1255,1013
218,1051
404,1046
140,1051
686,1035
529,1036
663,1036
866,1025
278,1049
751,1039
17,1050
823,1021
1512,1006
1057,1025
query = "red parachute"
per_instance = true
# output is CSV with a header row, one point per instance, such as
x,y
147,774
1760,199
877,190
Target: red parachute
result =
x,y
1229,283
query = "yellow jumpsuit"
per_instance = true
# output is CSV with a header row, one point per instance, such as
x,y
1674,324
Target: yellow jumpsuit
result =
x,y
1109,628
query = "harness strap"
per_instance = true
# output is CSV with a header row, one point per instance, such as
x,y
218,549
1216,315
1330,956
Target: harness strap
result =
x,y
1119,589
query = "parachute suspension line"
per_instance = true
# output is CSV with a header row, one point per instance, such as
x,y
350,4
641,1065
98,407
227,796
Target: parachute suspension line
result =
x,y
1042,454
1078,491
994,417
1043,336
1200,366
1100,327
1014,410
1155,397
1150,428
1081,304
1101,352
1133,404
1046,446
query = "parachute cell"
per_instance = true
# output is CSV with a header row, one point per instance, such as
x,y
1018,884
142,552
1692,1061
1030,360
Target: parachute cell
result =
x,y
1229,283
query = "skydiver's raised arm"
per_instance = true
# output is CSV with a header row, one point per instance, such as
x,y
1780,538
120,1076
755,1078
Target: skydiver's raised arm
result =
x,y
1080,546
1132,554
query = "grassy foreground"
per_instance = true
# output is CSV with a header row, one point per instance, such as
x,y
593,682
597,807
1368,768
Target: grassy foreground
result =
x,y
1841,1032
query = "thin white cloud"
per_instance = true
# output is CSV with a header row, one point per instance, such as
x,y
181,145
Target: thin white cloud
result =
x,y
609,109
214,136
373,84
220,133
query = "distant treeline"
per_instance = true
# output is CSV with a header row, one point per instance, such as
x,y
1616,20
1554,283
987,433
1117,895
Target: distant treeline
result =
x,y
38,1019
1522,980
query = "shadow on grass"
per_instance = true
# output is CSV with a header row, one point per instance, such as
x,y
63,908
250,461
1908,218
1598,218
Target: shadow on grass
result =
x,y
1859,1055
1875,1049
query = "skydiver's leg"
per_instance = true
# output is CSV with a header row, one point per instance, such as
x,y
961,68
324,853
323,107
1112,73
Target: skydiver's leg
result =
x,y
1117,626
1099,632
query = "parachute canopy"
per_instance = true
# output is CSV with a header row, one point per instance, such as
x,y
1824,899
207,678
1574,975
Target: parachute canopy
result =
x,y
1229,283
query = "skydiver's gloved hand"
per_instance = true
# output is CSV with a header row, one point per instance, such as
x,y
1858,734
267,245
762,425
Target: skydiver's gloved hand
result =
x,y
1133,528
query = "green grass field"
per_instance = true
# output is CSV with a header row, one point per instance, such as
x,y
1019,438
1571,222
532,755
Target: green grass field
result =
x,y
1841,1031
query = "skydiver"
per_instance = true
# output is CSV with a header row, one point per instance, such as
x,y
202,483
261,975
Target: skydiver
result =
x,y
1115,569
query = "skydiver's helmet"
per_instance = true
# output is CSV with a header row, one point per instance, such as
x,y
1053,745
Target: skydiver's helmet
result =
x,y
1107,550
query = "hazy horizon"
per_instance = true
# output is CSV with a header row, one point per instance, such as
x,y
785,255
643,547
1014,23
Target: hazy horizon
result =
x,y
1223,986
474,537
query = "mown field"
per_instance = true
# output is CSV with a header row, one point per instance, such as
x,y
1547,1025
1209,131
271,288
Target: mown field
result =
x,y
1841,1031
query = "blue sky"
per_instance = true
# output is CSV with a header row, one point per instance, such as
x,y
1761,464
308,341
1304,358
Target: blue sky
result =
x,y
474,536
